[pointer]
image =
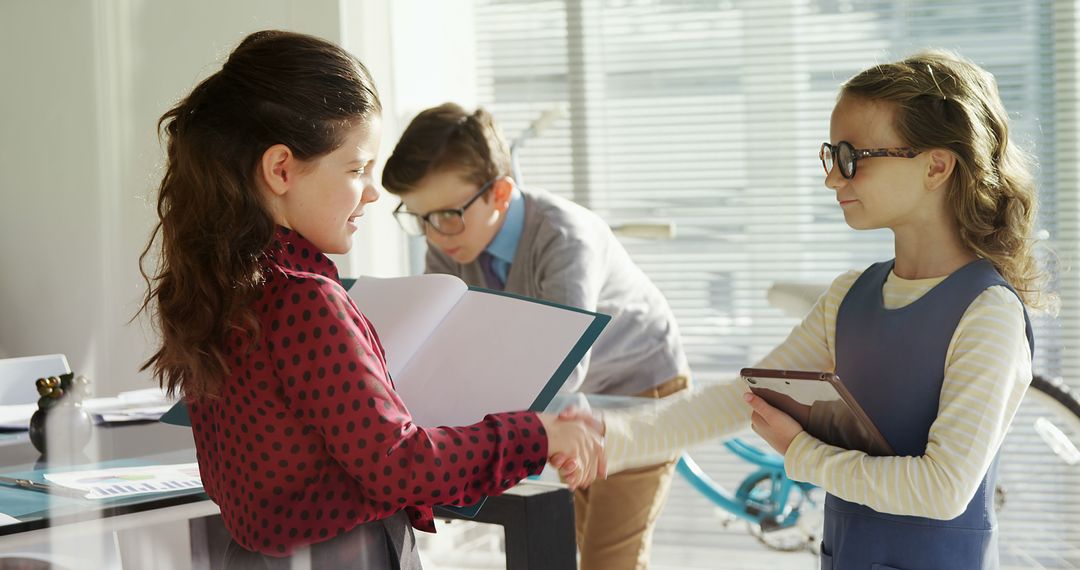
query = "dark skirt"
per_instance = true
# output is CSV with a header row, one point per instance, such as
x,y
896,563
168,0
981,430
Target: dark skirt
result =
x,y
386,543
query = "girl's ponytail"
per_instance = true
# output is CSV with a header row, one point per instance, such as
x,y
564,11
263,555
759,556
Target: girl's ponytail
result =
x,y
276,88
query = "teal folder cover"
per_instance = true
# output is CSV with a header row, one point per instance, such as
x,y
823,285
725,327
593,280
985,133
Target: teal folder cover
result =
x,y
178,415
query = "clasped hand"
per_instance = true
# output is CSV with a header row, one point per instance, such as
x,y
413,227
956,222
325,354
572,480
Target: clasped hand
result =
x,y
576,439
576,446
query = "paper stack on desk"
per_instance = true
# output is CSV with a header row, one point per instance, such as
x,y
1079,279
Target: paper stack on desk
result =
x,y
133,406
126,481
16,417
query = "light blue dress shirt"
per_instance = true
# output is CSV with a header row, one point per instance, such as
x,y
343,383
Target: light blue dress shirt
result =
x,y
505,244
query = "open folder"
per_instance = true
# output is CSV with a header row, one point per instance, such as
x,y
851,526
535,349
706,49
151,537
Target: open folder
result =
x,y
456,353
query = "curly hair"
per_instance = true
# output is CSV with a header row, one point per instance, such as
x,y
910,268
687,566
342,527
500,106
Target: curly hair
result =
x,y
213,228
945,101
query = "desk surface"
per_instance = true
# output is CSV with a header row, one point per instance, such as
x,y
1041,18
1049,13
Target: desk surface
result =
x,y
145,443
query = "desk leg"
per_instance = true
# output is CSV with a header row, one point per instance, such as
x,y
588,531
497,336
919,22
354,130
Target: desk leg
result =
x,y
162,545
209,539
539,528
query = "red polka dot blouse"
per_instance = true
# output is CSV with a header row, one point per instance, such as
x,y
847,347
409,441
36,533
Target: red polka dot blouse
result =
x,y
308,438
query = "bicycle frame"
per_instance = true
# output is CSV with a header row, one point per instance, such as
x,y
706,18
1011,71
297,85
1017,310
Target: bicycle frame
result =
x,y
749,502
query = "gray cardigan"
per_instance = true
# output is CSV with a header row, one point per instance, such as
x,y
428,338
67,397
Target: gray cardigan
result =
x,y
568,255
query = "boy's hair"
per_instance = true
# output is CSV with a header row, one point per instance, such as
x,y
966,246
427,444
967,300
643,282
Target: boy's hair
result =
x,y
945,101
275,88
447,137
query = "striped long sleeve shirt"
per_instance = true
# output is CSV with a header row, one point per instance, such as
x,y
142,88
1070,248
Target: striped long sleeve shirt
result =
x,y
987,371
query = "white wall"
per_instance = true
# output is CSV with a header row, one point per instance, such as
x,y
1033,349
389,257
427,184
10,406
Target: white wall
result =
x,y
421,53
433,53
83,84
51,295
379,246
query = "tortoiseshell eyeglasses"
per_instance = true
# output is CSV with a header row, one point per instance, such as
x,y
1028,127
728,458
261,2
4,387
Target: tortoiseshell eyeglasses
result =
x,y
847,156
448,221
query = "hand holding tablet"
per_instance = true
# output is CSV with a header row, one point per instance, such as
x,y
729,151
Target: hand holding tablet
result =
x,y
821,404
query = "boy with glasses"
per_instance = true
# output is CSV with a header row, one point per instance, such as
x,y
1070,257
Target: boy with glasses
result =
x,y
451,171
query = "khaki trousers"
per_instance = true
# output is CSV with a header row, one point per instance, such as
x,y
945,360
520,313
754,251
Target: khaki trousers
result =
x,y
615,518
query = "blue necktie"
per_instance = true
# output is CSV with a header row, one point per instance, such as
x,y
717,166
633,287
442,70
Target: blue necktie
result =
x,y
493,281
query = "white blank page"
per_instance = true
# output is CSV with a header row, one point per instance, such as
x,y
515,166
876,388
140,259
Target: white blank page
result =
x,y
490,354
405,310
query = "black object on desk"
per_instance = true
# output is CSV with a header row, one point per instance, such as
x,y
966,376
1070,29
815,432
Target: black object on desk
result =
x,y
60,404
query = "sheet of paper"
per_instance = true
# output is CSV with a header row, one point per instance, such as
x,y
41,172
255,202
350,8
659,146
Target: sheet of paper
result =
x,y
136,405
16,416
17,376
7,519
405,310
127,481
491,354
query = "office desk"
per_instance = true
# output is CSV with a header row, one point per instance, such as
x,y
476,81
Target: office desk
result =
x,y
145,443
538,517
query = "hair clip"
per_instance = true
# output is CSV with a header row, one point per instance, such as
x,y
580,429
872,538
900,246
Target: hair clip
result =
x,y
936,84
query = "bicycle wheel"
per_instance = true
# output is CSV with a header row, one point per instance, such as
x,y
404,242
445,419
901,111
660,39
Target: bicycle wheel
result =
x,y
1039,472
1059,431
742,489
805,534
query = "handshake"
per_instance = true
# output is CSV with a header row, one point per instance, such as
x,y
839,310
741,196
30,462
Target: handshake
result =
x,y
576,446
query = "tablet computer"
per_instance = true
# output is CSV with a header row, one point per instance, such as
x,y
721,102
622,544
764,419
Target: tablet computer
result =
x,y
821,403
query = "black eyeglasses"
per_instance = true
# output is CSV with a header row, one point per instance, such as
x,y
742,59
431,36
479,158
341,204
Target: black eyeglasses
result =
x,y
847,156
448,222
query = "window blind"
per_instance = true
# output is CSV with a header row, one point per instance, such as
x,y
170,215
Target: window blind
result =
x,y
709,114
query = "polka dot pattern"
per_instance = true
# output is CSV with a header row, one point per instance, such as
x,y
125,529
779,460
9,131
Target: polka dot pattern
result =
x,y
308,438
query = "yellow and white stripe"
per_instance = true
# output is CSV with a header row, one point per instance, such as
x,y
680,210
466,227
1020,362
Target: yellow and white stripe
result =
x,y
987,370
